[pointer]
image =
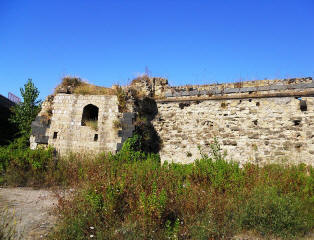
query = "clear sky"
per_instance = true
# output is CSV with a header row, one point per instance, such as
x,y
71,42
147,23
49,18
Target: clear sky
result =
x,y
189,42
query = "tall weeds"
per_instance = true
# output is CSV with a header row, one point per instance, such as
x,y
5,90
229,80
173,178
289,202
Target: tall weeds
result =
x,y
131,195
8,230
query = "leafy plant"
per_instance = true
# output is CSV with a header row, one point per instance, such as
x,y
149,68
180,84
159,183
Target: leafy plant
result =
x,y
122,99
269,212
26,111
130,195
117,124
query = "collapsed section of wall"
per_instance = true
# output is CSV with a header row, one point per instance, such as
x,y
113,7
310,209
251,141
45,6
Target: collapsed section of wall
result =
x,y
258,130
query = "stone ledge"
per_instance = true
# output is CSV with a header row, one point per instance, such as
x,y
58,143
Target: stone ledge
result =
x,y
182,93
305,93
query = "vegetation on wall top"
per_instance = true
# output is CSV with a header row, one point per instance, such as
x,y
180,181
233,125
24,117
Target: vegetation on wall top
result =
x,y
76,85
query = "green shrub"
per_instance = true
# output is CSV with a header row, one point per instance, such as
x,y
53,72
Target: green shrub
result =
x,y
269,212
21,166
28,167
130,195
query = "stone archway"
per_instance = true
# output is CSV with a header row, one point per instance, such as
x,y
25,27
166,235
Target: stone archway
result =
x,y
90,113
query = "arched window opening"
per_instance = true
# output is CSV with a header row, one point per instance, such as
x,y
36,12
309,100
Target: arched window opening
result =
x,y
90,116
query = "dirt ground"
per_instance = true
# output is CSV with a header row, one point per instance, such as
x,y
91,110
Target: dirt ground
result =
x,y
33,210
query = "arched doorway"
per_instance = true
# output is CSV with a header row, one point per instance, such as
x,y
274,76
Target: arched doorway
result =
x,y
90,114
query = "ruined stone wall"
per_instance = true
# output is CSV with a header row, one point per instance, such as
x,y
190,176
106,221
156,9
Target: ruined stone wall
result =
x,y
66,133
258,130
268,121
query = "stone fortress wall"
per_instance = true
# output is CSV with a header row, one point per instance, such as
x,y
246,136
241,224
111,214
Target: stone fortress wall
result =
x,y
268,121
264,121
259,130
64,131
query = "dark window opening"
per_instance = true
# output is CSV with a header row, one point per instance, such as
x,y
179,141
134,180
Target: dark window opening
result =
x,y
296,122
255,122
183,105
90,115
303,106
240,101
257,104
95,137
250,100
55,135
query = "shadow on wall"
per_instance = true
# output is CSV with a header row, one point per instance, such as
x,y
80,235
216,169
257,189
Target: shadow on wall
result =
x,y
146,109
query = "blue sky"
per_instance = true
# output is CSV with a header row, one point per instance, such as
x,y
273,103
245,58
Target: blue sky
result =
x,y
189,42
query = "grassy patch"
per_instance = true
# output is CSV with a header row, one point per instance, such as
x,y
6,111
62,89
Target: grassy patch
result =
x,y
8,222
130,195
77,86
21,166
89,89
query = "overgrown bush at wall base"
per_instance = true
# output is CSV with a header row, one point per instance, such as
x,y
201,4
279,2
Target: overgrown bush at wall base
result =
x,y
130,195
121,199
21,166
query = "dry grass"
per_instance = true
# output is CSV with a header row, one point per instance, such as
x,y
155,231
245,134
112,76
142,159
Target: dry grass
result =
x,y
117,124
46,115
131,196
8,222
68,81
78,86
122,99
92,124
141,78
89,89
71,81
238,85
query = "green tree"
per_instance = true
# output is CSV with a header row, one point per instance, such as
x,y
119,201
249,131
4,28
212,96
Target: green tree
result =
x,y
26,111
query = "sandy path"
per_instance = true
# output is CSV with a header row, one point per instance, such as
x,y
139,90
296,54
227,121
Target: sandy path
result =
x,y
33,210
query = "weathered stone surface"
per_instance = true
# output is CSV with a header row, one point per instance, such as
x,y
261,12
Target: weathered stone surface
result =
x,y
274,138
259,121
230,142
250,87
67,134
